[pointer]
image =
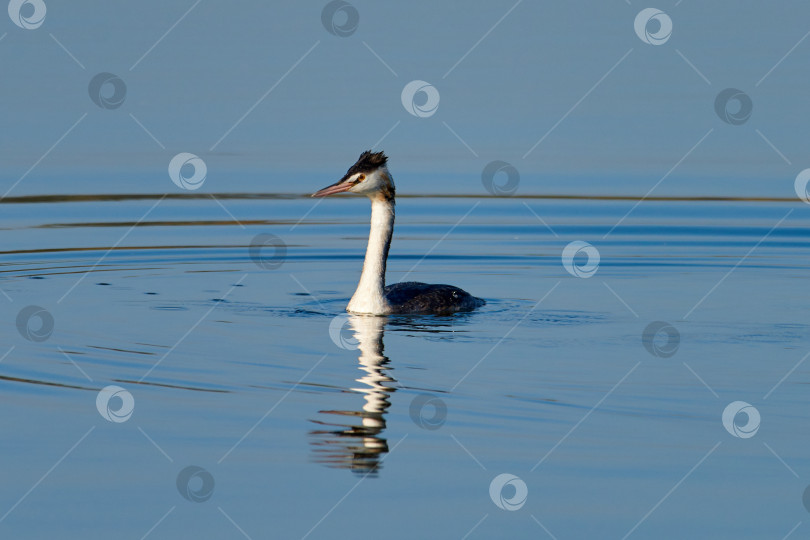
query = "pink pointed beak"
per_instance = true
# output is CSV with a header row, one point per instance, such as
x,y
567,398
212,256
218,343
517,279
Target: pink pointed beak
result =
x,y
338,187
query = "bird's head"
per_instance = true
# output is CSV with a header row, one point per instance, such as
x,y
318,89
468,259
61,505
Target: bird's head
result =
x,y
369,177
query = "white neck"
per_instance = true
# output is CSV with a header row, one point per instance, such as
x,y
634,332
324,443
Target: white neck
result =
x,y
369,296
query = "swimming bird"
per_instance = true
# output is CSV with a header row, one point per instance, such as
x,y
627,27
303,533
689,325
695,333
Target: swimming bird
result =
x,y
370,177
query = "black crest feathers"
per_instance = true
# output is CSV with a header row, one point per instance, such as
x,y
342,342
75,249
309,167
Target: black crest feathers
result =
x,y
367,162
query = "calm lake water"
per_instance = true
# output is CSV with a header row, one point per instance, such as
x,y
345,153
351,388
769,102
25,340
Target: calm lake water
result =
x,y
181,365
399,427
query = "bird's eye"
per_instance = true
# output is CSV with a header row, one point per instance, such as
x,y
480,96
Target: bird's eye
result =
x,y
361,177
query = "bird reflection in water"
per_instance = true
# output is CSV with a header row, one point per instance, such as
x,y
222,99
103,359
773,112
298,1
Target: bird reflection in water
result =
x,y
352,439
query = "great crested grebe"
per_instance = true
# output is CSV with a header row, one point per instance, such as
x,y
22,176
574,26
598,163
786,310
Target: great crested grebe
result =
x,y
370,177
